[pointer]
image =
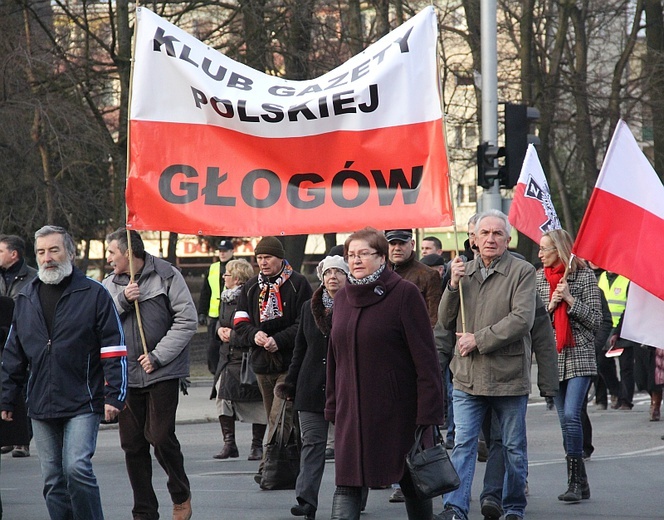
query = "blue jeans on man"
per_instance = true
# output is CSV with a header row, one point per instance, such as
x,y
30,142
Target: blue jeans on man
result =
x,y
66,447
469,412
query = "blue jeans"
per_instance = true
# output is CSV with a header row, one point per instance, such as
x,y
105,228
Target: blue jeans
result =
x,y
494,472
469,412
66,447
450,406
569,402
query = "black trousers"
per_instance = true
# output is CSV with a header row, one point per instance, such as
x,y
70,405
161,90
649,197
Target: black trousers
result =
x,y
149,420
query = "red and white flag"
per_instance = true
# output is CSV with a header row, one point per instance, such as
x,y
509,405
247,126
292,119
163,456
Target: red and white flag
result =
x,y
622,232
221,149
532,210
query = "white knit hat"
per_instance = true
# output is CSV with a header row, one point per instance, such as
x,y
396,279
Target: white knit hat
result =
x,y
328,262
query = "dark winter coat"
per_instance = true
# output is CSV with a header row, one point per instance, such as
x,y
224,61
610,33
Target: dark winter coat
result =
x,y
293,293
427,281
230,361
24,275
75,369
307,372
383,379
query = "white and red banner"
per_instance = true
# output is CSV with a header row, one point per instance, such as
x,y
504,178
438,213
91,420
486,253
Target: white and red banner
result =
x,y
532,210
218,148
622,232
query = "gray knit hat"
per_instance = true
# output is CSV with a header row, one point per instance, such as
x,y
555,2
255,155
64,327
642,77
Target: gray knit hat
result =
x,y
329,262
270,246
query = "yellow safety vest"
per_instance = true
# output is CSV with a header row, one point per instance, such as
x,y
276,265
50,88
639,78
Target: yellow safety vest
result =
x,y
215,285
615,294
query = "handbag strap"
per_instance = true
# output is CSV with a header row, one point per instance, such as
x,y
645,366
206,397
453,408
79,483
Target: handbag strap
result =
x,y
278,433
419,433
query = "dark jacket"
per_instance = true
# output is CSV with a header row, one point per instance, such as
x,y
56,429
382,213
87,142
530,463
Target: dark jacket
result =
x,y
383,379
230,361
294,292
427,281
168,317
307,372
23,277
69,371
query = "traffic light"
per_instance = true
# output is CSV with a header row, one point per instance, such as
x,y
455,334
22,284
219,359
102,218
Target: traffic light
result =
x,y
487,169
518,122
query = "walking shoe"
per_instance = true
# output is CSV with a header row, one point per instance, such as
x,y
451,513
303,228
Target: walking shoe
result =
x,y
397,496
449,513
624,407
6,449
491,510
512,517
482,451
182,511
21,451
306,510
329,453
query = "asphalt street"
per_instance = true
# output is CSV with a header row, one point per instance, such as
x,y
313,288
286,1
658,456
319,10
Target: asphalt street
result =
x,y
625,472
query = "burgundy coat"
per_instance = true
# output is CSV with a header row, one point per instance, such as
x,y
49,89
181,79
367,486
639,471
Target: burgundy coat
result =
x,y
383,379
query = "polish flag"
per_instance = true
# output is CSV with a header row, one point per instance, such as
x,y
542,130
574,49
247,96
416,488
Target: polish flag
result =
x,y
219,148
622,232
532,210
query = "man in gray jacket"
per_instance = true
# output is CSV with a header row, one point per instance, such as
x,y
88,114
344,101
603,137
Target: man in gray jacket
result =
x,y
491,365
168,319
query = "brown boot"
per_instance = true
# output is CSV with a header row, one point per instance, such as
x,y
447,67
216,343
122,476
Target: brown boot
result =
x,y
655,404
257,434
229,449
182,511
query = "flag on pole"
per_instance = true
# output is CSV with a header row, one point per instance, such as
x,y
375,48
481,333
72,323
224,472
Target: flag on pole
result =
x,y
622,232
643,321
221,149
532,211
623,225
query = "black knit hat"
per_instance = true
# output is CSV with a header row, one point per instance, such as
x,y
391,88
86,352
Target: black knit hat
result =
x,y
270,246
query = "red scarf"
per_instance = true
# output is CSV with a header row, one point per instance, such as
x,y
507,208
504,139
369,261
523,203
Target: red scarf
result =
x,y
561,324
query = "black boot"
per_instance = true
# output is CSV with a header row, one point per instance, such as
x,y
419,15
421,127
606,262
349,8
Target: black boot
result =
x,y
585,487
346,503
257,434
419,509
569,480
574,491
229,449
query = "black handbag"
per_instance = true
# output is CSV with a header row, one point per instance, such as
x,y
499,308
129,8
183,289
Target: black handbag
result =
x,y
282,456
247,376
431,470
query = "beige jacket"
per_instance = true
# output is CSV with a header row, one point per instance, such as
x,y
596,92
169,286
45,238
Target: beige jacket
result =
x,y
500,311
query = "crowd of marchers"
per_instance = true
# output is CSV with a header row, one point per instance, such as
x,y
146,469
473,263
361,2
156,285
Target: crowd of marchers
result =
x,y
384,345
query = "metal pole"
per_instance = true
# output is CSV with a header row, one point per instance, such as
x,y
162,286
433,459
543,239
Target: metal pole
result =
x,y
489,43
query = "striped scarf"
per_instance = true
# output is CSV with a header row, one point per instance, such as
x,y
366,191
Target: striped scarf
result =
x,y
269,299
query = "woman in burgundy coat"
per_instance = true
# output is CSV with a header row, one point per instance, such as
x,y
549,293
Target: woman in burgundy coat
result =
x,y
383,377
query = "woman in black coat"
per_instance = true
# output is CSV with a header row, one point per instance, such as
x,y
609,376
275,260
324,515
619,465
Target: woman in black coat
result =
x,y
235,400
305,382
383,378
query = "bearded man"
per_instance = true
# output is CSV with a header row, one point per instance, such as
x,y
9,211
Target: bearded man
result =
x,y
78,372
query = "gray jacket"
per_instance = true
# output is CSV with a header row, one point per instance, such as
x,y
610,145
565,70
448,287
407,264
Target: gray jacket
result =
x,y
25,275
169,320
500,311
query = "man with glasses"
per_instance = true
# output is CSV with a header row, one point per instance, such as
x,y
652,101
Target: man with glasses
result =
x,y
267,318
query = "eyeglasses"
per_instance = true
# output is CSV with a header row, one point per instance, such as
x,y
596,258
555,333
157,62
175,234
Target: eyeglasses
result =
x,y
362,255
547,249
226,274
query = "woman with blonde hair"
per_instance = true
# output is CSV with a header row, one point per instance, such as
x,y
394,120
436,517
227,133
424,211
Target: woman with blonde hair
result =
x,y
574,303
233,399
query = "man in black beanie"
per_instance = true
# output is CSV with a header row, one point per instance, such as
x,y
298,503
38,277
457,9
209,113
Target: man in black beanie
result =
x,y
267,317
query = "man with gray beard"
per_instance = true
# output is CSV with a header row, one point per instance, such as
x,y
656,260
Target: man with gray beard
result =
x,y
78,372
